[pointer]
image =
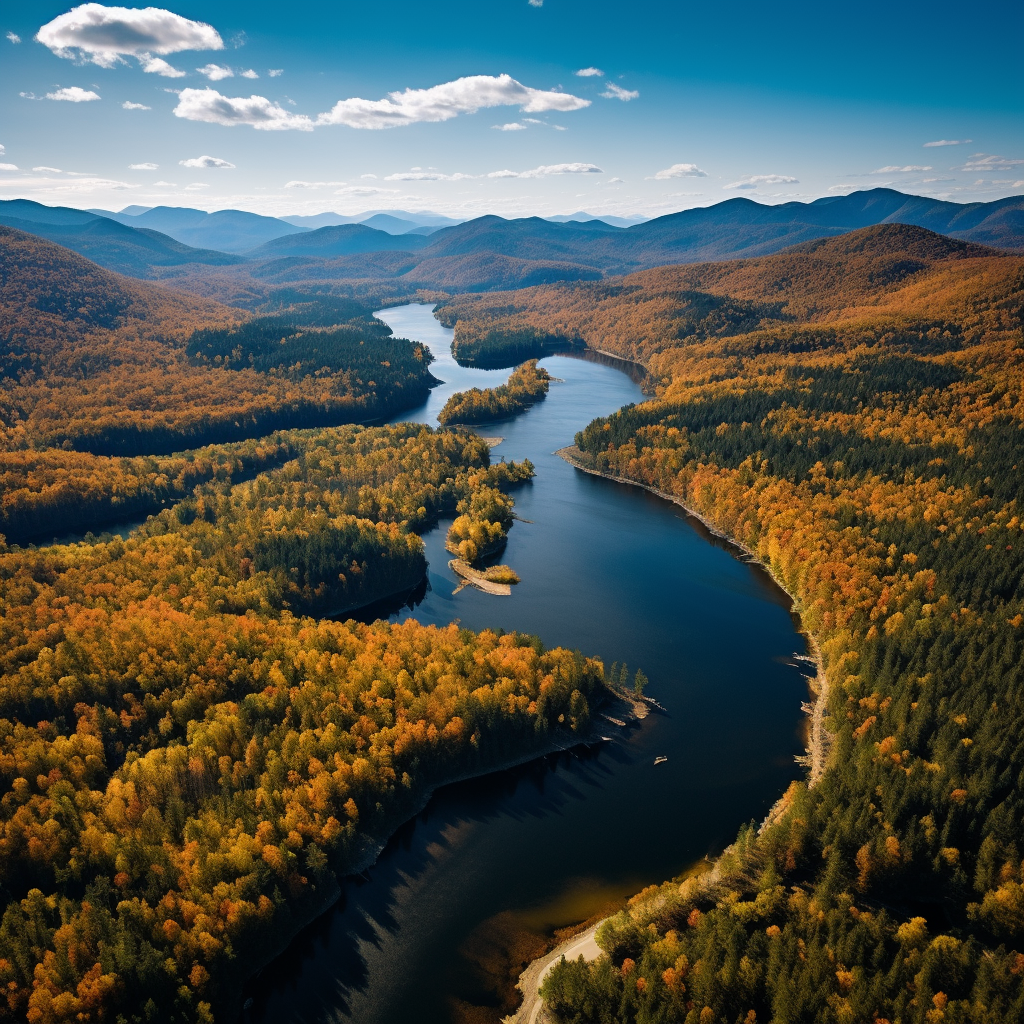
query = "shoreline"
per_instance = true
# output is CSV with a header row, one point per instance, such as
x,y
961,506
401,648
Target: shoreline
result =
x,y
532,1011
373,846
819,741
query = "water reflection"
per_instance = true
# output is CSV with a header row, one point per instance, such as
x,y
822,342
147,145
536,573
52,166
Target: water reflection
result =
x,y
437,930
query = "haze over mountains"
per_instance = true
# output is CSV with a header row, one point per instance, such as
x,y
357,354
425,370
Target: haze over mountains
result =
x,y
488,252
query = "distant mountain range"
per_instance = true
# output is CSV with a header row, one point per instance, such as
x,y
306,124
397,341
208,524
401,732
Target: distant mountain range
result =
x,y
489,252
137,252
227,230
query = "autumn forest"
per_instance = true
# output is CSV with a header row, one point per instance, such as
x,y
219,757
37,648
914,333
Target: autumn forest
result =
x,y
200,739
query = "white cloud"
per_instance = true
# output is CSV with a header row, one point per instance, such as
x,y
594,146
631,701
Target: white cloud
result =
x,y
207,161
143,167
679,171
947,142
8,167
547,170
367,175
210,106
128,105
512,126
535,3
84,185
165,184
443,102
987,162
612,181
276,72
364,190
158,66
418,175
196,186
104,35
615,92
73,95
589,72
3,149
13,37
753,180
47,170
215,72
250,74
894,169
312,184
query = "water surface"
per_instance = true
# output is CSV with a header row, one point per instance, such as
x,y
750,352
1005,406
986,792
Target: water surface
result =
x,y
461,894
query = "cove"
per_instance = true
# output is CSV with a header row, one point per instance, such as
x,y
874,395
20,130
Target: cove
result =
x,y
457,903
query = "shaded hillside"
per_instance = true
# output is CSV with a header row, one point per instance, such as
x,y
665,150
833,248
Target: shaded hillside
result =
x,y
875,274
339,240
62,314
136,252
97,362
851,412
490,252
229,230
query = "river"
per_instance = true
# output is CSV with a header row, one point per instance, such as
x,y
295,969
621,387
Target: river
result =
x,y
461,897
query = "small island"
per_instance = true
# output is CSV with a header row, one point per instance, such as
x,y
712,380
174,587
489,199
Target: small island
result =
x,y
527,384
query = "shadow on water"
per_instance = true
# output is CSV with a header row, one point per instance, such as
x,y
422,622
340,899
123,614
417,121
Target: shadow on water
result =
x,y
438,929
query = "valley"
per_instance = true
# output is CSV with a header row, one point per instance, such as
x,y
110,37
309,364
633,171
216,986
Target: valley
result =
x,y
213,724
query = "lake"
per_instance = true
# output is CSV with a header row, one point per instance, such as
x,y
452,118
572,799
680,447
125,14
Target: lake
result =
x,y
463,895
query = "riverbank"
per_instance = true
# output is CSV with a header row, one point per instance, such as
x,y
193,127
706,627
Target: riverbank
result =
x,y
819,740
819,743
373,845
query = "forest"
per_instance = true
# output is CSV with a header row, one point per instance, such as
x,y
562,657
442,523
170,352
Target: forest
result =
x,y
852,412
526,384
190,762
98,363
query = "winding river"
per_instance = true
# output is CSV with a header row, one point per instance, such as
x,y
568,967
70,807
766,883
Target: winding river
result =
x,y
462,896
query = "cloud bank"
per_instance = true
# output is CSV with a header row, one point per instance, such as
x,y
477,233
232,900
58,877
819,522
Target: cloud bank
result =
x,y
210,106
215,72
753,180
988,162
207,161
158,66
679,171
104,35
894,169
546,170
426,176
615,92
443,102
73,95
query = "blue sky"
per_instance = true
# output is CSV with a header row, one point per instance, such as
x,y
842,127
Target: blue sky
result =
x,y
282,108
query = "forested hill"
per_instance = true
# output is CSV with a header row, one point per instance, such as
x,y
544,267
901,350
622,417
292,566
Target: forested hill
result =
x,y
488,252
881,273
97,362
851,411
127,250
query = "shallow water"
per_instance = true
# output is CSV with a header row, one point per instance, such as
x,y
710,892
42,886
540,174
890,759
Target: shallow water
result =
x,y
460,895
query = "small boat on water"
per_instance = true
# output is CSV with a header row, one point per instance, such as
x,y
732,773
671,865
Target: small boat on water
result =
x,y
660,760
